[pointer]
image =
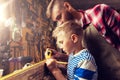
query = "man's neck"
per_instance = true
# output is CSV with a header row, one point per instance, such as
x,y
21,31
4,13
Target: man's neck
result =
x,y
77,15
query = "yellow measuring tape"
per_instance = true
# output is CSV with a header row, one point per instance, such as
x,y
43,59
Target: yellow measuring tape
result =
x,y
48,54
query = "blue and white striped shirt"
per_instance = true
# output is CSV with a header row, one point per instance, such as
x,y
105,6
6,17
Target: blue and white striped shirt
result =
x,y
82,66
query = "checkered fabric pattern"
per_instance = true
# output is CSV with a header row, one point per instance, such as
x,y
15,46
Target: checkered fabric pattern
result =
x,y
106,20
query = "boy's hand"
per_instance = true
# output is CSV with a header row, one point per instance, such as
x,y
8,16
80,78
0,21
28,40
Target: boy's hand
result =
x,y
57,55
51,64
50,52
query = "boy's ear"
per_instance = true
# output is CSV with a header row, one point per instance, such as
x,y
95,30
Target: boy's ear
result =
x,y
67,5
74,38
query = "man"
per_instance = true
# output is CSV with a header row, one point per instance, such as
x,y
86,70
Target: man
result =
x,y
104,18
106,21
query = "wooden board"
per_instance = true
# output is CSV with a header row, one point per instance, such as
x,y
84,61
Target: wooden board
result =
x,y
37,71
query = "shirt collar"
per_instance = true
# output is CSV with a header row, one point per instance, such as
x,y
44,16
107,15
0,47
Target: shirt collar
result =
x,y
75,55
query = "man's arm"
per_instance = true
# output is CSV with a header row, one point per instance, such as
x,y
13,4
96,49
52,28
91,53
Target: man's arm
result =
x,y
107,57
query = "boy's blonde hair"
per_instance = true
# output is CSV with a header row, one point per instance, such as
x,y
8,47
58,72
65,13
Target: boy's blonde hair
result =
x,y
69,27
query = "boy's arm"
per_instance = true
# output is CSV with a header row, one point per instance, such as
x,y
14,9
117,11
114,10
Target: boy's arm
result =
x,y
58,74
52,66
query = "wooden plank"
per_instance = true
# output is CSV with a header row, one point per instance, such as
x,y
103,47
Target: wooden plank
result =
x,y
37,71
33,72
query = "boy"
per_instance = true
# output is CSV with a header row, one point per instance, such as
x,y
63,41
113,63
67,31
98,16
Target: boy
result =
x,y
81,64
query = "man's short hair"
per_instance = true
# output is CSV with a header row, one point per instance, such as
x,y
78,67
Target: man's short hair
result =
x,y
51,5
54,2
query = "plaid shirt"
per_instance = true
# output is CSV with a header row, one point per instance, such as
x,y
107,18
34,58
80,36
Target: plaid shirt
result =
x,y
106,20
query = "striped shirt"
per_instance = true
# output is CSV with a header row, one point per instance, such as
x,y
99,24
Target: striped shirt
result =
x,y
81,66
106,20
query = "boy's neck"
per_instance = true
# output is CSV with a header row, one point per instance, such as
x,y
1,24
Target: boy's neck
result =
x,y
77,50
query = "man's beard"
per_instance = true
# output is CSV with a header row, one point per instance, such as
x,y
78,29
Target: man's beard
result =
x,y
69,16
